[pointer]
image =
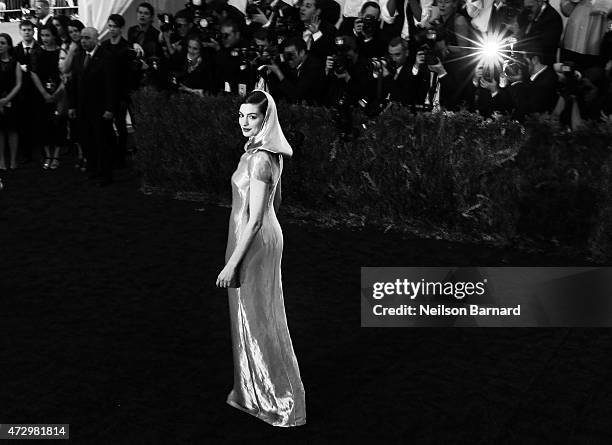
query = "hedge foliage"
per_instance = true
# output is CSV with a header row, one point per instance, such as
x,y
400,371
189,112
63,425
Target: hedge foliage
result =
x,y
451,173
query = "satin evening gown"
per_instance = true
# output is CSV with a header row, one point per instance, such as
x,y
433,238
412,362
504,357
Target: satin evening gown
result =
x,y
267,382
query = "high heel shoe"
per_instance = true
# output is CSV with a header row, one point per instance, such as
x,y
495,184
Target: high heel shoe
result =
x,y
46,163
54,163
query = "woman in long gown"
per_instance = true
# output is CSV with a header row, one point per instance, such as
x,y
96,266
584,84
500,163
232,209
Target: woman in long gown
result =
x,y
267,382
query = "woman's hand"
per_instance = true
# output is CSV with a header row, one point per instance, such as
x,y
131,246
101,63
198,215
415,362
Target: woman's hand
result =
x,y
226,276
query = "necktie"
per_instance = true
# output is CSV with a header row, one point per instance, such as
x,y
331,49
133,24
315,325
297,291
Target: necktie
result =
x,y
87,60
27,50
307,36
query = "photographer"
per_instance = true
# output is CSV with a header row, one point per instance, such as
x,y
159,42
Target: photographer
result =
x,y
233,71
348,73
177,32
195,72
304,76
454,38
515,98
400,82
367,30
433,85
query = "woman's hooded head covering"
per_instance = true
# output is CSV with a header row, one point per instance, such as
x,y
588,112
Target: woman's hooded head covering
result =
x,y
270,137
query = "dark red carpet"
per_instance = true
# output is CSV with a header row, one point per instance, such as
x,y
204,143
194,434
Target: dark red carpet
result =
x,y
110,321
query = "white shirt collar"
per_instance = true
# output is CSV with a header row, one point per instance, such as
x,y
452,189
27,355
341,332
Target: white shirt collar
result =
x,y
46,19
537,17
534,75
93,51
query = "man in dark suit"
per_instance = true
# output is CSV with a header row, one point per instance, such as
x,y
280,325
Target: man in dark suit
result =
x,y
28,96
228,61
543,82
400,85
318,34
303,79
514,99
93,98
541,23
126,69
367,30
144,37
417,85
43,16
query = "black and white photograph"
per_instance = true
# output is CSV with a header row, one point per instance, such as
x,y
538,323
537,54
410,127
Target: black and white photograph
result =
x,y
306,221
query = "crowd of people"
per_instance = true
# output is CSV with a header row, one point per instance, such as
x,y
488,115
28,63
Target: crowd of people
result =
x,y
491,56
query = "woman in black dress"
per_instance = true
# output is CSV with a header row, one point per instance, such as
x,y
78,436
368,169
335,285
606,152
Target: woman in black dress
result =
x,y
10,83
74,32
48,80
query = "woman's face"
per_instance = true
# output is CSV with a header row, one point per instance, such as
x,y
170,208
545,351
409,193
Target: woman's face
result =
x,y
193,49
3,46
250,119
60,29
46,37
75,34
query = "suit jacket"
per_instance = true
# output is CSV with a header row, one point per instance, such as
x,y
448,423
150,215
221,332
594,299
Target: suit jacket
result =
x,y
403,89
305,85
149,40
546,31
93,89
22,57
28,91
543,91
127,69
515,100
325,45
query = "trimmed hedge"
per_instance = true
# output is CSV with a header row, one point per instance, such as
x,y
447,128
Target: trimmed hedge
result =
x,y
449,174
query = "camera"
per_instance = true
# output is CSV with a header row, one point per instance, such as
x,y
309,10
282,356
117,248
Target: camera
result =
x,y
430,57
206,24
571,79
340,57
285,26
378,64
167,22
487,73
370,24
427,40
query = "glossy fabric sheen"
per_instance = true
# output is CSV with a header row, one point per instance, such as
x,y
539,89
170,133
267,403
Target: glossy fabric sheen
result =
x,y
267,382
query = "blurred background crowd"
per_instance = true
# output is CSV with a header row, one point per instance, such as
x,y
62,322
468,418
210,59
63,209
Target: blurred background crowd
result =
x,y
67,85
